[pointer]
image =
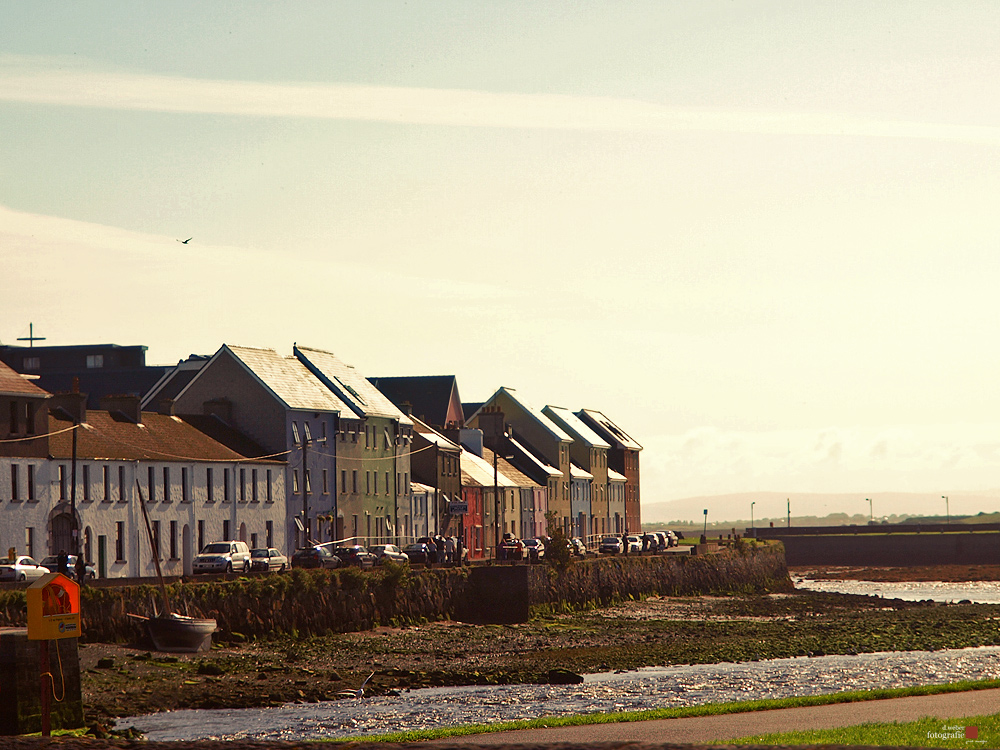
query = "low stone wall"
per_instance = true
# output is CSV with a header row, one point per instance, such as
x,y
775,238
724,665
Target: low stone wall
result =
x,y
895,550
315,602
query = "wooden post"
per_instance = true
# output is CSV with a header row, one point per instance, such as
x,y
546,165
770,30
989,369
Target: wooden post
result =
x,y
44,678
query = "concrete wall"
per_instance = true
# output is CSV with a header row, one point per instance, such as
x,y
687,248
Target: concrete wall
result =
x,y
894,549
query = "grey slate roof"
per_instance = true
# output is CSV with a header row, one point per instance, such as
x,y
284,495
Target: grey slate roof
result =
x,y
288,379
531,411
429,396
572,424
608,429
350,386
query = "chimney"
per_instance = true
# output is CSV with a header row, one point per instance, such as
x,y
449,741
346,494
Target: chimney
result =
x,y
129,406
167,407
221,408
75,404
491,423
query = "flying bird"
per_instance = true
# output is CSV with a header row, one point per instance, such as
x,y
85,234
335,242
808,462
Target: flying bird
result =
x,y
184,242
360,692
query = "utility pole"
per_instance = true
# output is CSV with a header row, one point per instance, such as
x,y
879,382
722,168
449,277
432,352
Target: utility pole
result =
x,y
947,510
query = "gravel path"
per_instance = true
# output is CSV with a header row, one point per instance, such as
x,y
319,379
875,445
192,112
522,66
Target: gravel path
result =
x,y
718,729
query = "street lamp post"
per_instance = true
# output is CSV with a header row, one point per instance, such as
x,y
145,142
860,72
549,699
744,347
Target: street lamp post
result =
x,y
947,510
753,531
704,533
871,514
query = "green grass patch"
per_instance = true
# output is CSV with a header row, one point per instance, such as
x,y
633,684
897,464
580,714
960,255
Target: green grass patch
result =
x,y
921,733
711,709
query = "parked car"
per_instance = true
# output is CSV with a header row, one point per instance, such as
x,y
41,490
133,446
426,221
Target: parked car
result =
x,y
650,542
267,559
355,555
21,568
534,549
634,544
389,552
611,545
511,548
52,563
223,557
318,556
672,540
418,552
578,547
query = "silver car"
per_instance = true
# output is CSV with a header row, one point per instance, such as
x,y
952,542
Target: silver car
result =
x,y
267,559
21,568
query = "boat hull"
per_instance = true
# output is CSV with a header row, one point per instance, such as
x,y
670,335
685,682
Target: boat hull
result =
x,y
180,633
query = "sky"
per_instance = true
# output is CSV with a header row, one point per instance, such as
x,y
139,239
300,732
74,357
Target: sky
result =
x,y
760,236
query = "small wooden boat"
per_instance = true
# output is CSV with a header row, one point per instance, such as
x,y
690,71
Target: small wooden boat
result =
x,y
174,632
168,630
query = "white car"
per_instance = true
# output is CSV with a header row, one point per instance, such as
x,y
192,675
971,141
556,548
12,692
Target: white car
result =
x,y
21,568
267,559
634,544
223,557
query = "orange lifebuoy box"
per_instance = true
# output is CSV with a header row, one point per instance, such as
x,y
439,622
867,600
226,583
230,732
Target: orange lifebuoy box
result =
x,y
53,608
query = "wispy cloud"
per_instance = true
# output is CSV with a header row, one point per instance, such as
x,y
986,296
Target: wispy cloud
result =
x,y
48,82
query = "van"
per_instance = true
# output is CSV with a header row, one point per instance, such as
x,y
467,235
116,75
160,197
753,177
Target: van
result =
x,y
223,557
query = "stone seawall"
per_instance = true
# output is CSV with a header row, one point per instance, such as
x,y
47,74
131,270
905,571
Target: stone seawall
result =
x,y
308,602
895,550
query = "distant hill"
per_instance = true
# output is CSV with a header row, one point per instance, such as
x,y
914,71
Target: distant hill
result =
x,y
770,506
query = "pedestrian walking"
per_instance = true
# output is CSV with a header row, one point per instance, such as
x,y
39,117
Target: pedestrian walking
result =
x,y
80,569
62,562
449,550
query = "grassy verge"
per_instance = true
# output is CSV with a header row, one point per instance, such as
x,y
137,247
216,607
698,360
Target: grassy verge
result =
x,y
921,733
712,709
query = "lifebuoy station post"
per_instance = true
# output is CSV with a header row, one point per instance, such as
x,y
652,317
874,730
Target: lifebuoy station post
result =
x,y
41,684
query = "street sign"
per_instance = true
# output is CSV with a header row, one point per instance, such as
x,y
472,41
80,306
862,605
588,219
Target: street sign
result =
x,y
458,509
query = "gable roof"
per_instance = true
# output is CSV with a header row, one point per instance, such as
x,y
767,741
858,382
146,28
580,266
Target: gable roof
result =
x,y
349,385
429,396
573,425
509,470
431,435
174,380
608,429
528,410
285,377
13,383
110,436
476,471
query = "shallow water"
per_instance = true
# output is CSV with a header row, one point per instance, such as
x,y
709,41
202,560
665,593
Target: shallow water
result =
x,y
980,592
643,689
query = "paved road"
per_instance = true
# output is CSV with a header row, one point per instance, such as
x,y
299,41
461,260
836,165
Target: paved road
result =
x,y
713,729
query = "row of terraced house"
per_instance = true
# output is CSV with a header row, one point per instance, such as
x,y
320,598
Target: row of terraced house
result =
x,y
280,451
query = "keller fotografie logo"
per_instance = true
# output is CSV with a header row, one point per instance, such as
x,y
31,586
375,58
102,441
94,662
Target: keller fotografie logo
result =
x,y
969,734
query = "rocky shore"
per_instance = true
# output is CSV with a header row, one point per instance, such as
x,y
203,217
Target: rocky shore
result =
x,y
129,680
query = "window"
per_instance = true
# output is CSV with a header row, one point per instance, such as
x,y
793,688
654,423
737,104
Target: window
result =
x,y
166,484
201,535
86,483
343,481
253,485
156,539
31,482
151,481
32,363
308,482
354,481
295,433
225,485
209,488
95,361
184,487
225,530
326,483
306,432
106,473
388,484
62,482
269,533
15,418
14,483
374,482
29,541
121,484
295,480
173,540
368,483
119,541
253,541
269,497
243,485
